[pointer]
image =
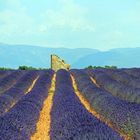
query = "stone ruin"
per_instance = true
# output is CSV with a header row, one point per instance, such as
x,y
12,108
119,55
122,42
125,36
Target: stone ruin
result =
x,y
58,63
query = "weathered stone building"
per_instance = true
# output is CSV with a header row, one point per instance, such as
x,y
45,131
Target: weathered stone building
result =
x,y
58,63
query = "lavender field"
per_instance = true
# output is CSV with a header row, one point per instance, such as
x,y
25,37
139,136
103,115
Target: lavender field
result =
x,y
79,104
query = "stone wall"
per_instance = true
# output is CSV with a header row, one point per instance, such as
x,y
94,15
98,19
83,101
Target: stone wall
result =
x,y
58,63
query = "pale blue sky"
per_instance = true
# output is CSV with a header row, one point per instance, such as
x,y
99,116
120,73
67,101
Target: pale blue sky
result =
x,y
97,24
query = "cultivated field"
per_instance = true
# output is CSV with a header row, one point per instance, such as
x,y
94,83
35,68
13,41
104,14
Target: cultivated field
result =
x,y
86,104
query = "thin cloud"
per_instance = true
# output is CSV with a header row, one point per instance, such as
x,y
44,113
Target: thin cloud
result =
x,y
70,15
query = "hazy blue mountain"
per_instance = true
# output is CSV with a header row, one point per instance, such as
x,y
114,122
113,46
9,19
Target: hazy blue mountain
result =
x,y
16,55
126,57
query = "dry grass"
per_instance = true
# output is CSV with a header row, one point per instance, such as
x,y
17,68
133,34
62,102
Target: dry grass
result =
x,y
43,124
94,81
32,85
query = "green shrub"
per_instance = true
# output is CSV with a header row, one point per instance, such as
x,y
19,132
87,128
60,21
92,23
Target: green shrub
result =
x,y
3,68
98,67
26,68
30,68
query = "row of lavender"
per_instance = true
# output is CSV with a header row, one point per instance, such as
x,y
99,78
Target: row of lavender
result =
x,y
135,72
123,77
4,73
20,121
118,83
70,119
123,115
15,93
10,79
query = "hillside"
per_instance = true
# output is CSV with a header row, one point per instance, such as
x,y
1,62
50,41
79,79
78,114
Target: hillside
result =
x,y
118,57
16,55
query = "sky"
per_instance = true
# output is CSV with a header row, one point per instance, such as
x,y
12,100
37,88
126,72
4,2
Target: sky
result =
x,y
96,24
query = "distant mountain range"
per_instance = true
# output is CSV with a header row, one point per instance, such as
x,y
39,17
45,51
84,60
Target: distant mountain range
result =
x,y
16,55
